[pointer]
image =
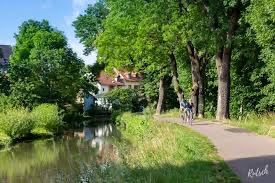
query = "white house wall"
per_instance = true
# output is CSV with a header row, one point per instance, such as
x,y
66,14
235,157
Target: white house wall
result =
x,y
103,88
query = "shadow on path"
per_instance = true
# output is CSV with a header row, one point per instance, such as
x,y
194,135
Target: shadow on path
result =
x,y
255,169
237,130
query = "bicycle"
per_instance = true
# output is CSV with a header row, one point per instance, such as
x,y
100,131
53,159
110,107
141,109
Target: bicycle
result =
x,y
187,115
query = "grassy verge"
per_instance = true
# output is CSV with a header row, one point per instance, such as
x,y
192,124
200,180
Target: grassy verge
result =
x,y
161,152
171,113
260,124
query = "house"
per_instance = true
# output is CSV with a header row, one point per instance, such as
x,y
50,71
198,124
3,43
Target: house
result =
x,y
89,100
120,78
5,52
85,99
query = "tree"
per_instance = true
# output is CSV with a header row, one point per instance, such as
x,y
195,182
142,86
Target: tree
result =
x,y
134,36
222,18
122,45
88,26
42,61
261,17
211,44
124,100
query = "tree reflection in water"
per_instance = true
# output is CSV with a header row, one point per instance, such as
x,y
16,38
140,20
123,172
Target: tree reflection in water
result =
x,y
26,162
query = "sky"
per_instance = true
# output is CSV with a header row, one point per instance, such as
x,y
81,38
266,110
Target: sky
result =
x,y
60,14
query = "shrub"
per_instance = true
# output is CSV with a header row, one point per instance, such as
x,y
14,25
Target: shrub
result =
x,y
16,123
123,100
6,102
4,139
46,118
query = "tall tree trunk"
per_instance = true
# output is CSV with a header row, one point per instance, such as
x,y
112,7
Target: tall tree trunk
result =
x,y
223,87
201,99
161,96
223,59
177,87
198,67
195,72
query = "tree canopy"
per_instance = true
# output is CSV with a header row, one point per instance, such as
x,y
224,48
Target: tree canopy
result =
x,y
225,48
42,67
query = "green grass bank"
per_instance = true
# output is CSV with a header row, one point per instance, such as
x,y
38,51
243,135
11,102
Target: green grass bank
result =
x,y
17,123
260,124
157,152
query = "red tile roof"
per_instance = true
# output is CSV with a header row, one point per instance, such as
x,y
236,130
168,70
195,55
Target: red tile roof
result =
x,y
130,76
105,79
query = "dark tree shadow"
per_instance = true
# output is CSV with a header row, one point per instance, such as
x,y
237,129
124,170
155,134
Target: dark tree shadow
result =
x,y
244,165
237,130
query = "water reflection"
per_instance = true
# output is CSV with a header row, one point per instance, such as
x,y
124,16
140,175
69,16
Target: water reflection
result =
x,y
41,160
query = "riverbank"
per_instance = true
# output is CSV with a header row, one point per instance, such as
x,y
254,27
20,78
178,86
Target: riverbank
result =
x,y
18,123
150,151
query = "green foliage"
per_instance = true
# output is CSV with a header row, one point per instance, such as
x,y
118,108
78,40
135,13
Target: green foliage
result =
x,y
6,102
24,92
149,111
16,123
149,90
42,67
123,100
4,83
87,26
246,80
88,83
96,68
47,117
133,124
261,17
141,34
172,113
4,139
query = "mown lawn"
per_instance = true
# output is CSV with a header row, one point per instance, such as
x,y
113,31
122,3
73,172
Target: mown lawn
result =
x,y
162,152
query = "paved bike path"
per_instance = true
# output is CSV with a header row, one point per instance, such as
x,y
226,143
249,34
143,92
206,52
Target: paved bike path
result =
x,y
251,156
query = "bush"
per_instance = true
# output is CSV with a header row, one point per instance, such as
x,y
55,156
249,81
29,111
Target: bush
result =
x,y
6,102
124,100
4,139
16,123
46,116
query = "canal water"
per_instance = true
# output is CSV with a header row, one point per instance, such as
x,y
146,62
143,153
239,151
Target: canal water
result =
x,y
61,159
